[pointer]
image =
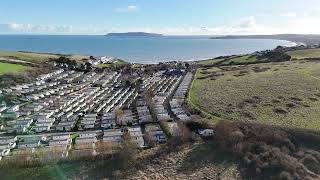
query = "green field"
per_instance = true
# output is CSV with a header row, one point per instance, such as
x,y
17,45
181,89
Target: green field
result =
x,y
209,61
11,68
239,60
114,64
286,94
307,53
36,57
227,61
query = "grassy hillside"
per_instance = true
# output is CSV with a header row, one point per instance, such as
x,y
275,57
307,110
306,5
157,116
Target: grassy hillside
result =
x,y
11,68
115,63
36,57
307,53
298,54
209,61
286,94
239,60
227,61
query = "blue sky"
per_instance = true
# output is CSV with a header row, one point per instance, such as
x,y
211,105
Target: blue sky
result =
x,y
174,17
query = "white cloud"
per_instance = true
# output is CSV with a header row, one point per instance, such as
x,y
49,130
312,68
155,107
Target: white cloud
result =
x,y
251,26
39,28
132,8
289,15
246,22
304,25
129,8
243,26
19,27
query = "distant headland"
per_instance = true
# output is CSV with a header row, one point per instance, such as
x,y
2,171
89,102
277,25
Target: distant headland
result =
x,y
308,39
133,34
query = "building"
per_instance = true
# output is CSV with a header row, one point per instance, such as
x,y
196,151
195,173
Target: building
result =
x,y
29,142
136,136
155,132
113,135
108,120
206,132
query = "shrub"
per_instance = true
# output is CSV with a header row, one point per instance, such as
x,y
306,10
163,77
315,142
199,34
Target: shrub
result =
x,y
148,140
196,125
165,128
268,152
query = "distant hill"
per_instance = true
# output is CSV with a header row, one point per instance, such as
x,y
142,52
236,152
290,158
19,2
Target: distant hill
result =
x,y
309,39
134,34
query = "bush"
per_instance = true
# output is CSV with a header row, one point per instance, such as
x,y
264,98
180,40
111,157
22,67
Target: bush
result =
x,y
275,56
165,128
149,141
196,125
268,152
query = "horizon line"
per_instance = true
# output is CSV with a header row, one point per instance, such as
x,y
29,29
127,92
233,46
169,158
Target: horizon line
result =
x,y
160,34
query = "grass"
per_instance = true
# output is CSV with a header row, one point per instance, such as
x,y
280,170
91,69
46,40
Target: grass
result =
x,y
193,96
74,136
228,61
51,171
36,57
114,64
104,65
286,94
209,61
11,68
119,61
137,65
239,60
306,53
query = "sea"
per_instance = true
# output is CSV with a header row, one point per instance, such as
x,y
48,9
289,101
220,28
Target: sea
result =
x,y
138,49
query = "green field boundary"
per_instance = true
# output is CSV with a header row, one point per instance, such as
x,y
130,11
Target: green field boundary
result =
x,y
7,67
194,105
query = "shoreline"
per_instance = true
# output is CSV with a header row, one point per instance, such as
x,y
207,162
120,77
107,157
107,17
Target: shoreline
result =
x,y
146,60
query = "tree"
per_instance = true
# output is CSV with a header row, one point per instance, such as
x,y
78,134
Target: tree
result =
x,y
138,84
119,116
62,60
88,66
165,128
148,140
275,56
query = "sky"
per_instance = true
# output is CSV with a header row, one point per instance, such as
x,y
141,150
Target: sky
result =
x,y
169,17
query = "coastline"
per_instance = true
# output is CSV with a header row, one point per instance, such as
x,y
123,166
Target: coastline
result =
x,y
303,39
292,45
138,50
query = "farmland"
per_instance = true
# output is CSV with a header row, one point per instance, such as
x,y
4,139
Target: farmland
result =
x,y
209,61
241,59
306,53
285,94
11,68
36,57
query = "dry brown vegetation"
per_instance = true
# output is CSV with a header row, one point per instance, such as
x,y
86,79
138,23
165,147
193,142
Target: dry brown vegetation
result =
x,y
238,151
267,152
84,162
